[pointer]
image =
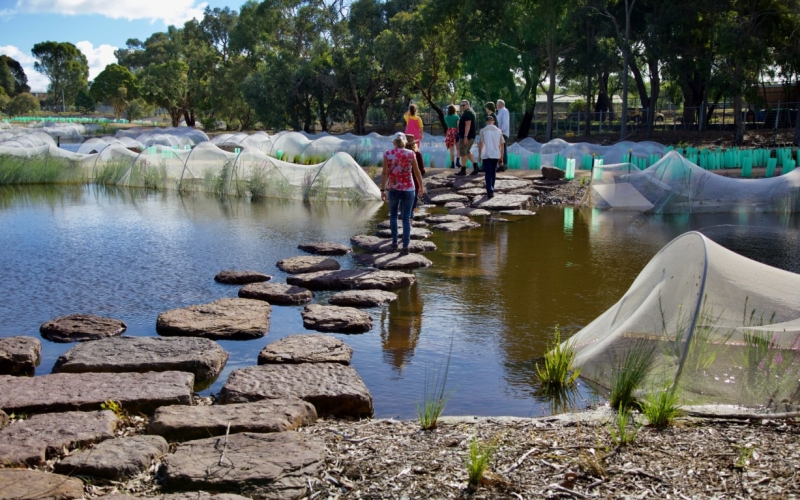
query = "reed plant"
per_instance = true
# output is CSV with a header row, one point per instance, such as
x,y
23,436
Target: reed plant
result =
x,y
557,370
435,395
40,169
478,459
624,428
661,407
630,372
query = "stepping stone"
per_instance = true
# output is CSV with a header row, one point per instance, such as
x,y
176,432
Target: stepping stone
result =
x,y
353,279
471,212
441,199
374,244
226,319
417,233
552,173
81,328
307,264
453,205
136,392
19,355
277,293
233,277
420,215
504,202
181,423
193,495
362,298
307,348
37,438
431,192
439,219
517,212
414,223
525,192
275,466
504,185
24,484
472,191
393,260
203,357
325,248
336,319
115,459
451,227
333,388
438,181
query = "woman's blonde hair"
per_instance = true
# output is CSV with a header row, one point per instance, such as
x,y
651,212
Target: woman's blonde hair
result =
x,y
412,110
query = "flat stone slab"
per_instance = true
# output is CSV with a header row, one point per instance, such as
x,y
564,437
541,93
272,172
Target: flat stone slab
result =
x,y
35,439
439,219
115,459
199,495
517,212
373,244
472,191
307,264
275,466
362,298
504,202
417,233
277,293
441,199
325,248
24,484
228,319
353,279
233,277
81,328
19,355
333,388
454,204
393,260
181,423
471,212
504,185
136,392
307,348
336,319
451,227
552,173
203,357
414,223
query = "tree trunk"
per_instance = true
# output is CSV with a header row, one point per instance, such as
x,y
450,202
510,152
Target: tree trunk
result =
x,y
738,120
175,115
603,103
655,91
796,140
525,126
391,108
551,90
588,122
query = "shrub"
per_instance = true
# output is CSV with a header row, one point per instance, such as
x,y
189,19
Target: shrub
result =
x,y
23,104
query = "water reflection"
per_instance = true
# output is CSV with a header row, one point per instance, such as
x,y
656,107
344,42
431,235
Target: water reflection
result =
x,y
401,325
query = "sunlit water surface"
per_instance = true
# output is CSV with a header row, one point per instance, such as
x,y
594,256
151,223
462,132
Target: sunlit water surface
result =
x,y
494,293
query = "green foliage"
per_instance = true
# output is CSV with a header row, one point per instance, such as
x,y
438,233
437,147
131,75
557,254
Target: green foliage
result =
x,y
624,428
478,459
65,66
744,455
115,85
4,101
113,406
629,372
558,370
23,104
435,396
20,79
38,170
111,173
661,407
84,102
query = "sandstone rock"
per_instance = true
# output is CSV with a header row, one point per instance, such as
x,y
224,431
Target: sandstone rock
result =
x,y
325,248
441,199
24,484
505,185
453,205
203,357
517,212
275,466
362,298
420,215
81,327
136,392
19,355
472,212
472,191
333,388
115,459
229,319
439,219
3,419
450,227
307,264
307,348
430,192
504,202
417,233
353,279
374,244
277,293
181,423
201,495
336,319
233,277
414,223
35,439
438,181
552,173
393,260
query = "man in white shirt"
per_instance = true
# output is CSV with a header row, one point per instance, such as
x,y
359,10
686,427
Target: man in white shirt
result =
x,y
504,124
491,150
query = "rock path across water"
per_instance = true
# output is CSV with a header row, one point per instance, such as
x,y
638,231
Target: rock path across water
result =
x,y
81,328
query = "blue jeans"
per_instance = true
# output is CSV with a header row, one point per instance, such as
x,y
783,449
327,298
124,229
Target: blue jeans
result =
x,y
490,172
404,201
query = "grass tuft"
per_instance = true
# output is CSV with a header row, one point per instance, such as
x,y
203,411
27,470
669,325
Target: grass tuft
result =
x,y
558,370
435,395
624,429
661,407
478,459
629,373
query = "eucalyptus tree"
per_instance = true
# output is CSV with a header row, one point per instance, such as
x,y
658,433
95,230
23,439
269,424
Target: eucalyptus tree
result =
x,y
115,85
65,66
787,54
14,79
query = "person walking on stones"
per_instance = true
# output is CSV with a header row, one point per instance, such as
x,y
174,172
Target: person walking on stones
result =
x,y
490,111
399,171
451,137
411,145
504,124
466,131
414,125
491,149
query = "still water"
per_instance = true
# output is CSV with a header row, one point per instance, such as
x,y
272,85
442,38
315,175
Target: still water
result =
x,y
494,293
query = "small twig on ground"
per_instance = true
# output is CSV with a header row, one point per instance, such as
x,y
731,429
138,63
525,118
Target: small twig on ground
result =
x,y
224,445
520,460
567,490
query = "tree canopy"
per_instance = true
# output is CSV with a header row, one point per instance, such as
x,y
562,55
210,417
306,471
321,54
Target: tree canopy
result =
x,y
66,67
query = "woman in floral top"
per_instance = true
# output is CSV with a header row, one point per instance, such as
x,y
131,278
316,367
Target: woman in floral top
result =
x,y
399,165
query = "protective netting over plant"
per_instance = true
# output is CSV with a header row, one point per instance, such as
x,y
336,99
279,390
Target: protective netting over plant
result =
x,y
719,327
676,185
176,137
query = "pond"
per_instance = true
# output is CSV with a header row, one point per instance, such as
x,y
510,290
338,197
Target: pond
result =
x,y
494,293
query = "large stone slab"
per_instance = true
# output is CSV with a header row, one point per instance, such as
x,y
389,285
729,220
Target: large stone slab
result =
x,y
307,264
336,319
136,392
505,185
19,355
81,328
275,466
24,484
471,212
181,423
277,293
307,348
234,277
334,389
504,202
414,223
203,357
325,248
362,298
39,437
553,173
517,212
451,227
417,233
441,199
353,279
393,260
115,459
472,191
201,495
224,319
374,244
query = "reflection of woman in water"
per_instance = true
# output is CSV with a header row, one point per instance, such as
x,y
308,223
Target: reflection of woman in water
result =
x,y
401,326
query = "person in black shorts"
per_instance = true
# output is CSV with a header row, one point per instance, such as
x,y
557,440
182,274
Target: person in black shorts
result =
x,y
467,127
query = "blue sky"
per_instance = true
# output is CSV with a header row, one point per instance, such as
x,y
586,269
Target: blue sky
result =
x,y
97,27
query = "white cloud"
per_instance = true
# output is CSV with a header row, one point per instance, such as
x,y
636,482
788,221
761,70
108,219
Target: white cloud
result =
x,y
98,58
169,12
37,81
